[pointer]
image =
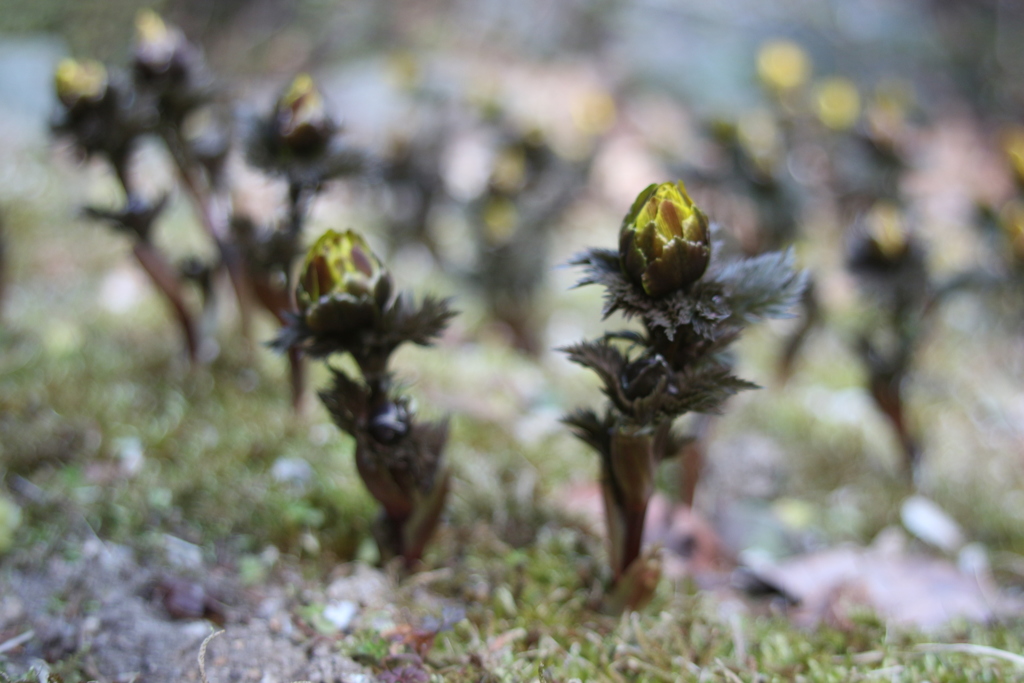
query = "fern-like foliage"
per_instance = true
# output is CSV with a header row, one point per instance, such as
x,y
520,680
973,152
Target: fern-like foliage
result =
x,y
765,286
680,362
348,402
420,325
732,293
593,430
401,322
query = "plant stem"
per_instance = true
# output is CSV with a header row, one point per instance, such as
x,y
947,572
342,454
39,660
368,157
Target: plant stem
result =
x,y
632,463
692,460
213,216
159,270
164,278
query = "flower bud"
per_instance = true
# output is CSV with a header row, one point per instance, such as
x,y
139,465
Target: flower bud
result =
x,y
887,233
838,103
77,82
300,117
664,243
155,43
343,285
783,65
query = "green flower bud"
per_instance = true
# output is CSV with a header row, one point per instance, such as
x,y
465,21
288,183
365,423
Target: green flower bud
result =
x,y
343,285
664,243
300,117
77,82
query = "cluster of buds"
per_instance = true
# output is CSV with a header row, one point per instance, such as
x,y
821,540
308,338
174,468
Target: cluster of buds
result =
x,y
106,112
346,306
100,111
170,93
693,304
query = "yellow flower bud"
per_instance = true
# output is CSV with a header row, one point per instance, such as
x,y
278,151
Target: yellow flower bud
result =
x,y
343,284
80,81
887,231
301,115
664,243
155,42
783,65
838,103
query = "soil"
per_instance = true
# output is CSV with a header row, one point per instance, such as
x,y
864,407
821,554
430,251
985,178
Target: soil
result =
x,y
119,620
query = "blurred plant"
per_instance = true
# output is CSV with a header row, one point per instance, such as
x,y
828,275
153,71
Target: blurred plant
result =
x,y
415,185
346,306
529,188
867,143
173,95
412,164
1002,226
888,261
300,142
870,141
101,115
753,150
182,104
693,304
106,113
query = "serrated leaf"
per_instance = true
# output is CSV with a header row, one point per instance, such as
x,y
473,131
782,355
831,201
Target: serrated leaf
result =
x,y
765,286
591,429
348,402
607,361
404,322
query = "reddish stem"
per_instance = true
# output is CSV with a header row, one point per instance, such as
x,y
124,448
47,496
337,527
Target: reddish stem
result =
x,y
213,216
163,276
